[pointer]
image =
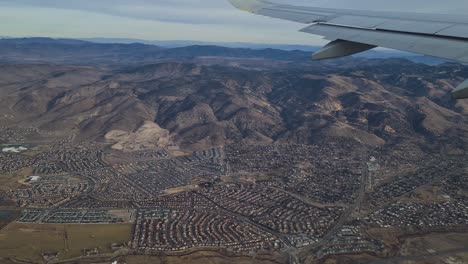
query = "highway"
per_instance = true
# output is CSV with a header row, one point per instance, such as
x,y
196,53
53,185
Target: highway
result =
x,y
304,252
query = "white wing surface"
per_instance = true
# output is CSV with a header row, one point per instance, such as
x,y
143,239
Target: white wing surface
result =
x,y
352,31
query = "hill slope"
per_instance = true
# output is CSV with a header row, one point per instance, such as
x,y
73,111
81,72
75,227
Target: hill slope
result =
x,y
198,106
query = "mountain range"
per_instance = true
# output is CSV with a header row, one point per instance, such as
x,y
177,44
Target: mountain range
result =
x,y
204,96
129,51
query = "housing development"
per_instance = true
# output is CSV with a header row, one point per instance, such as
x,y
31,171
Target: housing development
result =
x,y
244,199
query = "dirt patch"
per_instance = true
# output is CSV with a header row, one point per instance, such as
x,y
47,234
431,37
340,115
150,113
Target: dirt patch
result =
x,y
181,189
148,136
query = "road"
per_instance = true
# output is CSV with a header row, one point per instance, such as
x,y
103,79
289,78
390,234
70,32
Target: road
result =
x,y
355,205
344,217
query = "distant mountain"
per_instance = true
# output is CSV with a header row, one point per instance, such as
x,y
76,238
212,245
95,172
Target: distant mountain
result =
x,y
59,51
109,50
65,51
379,53
185,43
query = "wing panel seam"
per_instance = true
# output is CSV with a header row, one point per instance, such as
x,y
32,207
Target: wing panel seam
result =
x,y
394,31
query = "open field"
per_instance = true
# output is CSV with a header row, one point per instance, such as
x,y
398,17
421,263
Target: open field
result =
x,y
357,258
427,194
433,243
28,241
389,236
11,181
193,257
203,257
35,150
443,259
449,248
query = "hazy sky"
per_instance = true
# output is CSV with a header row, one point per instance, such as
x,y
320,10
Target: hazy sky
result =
x,y
205,20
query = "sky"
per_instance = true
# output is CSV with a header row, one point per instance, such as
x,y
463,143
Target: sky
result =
x,y
198,20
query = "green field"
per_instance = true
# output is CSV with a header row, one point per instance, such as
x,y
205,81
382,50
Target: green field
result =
x,y
29,241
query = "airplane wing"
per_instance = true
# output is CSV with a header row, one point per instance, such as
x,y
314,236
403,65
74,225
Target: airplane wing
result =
x,y
353,31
